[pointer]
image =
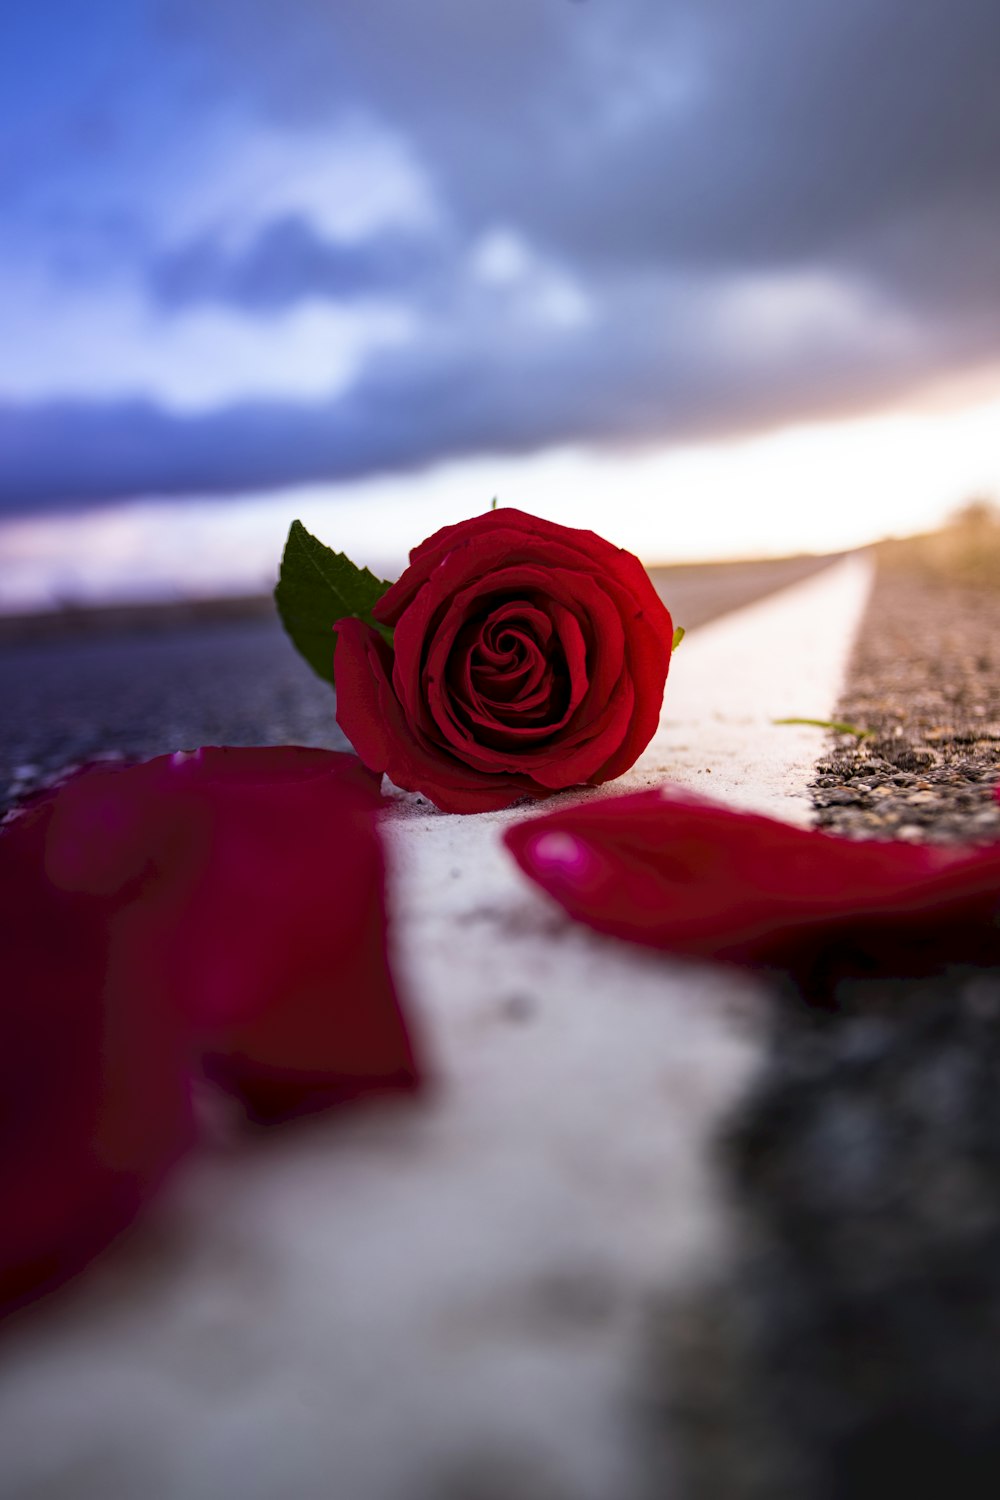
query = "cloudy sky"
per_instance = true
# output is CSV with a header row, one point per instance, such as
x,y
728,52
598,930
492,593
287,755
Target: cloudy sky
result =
x,y
376,260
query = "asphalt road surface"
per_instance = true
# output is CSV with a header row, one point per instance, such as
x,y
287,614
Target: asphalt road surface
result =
x,y
147,681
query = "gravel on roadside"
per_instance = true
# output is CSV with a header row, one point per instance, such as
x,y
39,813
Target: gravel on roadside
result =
x,y
924,684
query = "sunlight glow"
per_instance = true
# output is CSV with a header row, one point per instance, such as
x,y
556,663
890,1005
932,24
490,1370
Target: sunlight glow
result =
x,y
820,487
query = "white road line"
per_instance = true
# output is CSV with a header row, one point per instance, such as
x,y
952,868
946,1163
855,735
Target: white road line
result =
x,y
783,657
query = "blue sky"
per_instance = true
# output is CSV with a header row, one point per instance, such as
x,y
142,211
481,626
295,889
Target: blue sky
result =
x,y
252,246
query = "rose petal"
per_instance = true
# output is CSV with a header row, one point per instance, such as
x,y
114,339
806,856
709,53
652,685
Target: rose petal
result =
x,y
363,668
672,871
495,537
261,913
93,1077
279,940
225,904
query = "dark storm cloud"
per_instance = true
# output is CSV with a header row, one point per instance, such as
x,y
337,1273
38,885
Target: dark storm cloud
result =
x,y
700,130
412,408
652,154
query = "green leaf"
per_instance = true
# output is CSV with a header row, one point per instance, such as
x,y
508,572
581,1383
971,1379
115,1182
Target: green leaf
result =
x,y
679,635
317,586
835,726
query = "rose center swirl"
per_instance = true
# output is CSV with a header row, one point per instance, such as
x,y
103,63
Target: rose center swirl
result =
x,y
508,672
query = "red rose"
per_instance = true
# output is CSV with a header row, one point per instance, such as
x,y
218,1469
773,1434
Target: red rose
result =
x,y
527,657
670,870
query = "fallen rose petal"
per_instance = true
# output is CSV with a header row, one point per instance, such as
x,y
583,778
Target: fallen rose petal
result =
x,y
93,1070
221,909
278,940
264,917
670,870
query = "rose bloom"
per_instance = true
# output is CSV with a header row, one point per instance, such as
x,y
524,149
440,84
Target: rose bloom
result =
x,y
527,657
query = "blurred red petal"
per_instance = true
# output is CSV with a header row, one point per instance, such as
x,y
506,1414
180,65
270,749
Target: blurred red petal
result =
x,y
225,905
264,915
93,1070
670,870
277,939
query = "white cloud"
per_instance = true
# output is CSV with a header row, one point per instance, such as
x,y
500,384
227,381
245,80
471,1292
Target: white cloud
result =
x,y
99,336
775,314
111,344
527,286
351,182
